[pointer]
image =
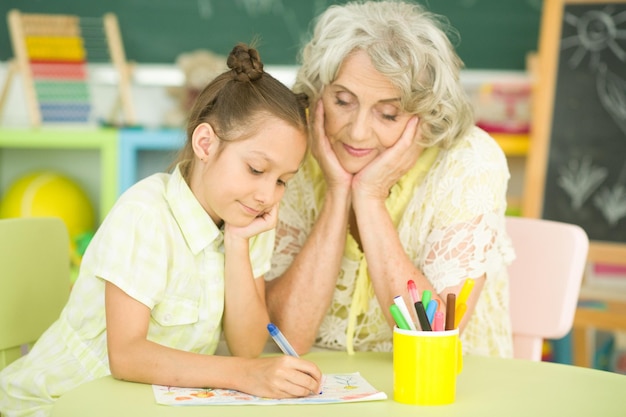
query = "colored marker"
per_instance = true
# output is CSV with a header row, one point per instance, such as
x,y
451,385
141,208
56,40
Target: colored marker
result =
x,y
438,321
281,341
466,290
421,315
450,308
430,310
412,288
460,312
398,317
399,301
426,295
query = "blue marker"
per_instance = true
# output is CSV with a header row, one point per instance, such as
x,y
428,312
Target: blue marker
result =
x,y
280,340
431,309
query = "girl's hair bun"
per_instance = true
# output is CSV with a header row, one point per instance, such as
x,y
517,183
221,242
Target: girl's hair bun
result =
x,y
245,63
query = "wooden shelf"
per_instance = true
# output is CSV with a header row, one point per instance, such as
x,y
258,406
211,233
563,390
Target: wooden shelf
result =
x,y
601,315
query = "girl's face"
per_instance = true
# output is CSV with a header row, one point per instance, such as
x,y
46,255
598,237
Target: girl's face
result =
x,y
362,113
247,177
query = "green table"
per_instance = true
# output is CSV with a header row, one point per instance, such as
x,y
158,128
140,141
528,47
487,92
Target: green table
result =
x,y
486,387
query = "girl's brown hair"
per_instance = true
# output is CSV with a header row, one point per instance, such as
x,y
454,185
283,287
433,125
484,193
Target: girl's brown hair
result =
x,y
237,99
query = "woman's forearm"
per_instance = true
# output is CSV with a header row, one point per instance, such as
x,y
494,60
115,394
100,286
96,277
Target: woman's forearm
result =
x,y
298,300
389,266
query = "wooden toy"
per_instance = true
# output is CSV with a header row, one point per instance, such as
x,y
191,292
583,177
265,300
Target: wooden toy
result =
x,y
52,53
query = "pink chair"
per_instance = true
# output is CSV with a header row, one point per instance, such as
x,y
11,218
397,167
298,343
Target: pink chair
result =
x,y
545,281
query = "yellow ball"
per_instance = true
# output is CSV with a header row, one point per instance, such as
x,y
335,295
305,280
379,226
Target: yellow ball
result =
x,y
50,194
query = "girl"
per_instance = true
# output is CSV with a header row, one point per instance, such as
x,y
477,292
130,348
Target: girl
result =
x,y
181,258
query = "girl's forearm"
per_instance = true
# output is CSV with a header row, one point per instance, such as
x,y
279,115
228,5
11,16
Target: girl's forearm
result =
x,y
245,313
150,363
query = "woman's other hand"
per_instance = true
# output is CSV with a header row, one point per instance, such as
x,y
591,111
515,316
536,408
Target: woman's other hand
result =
x,y
376,179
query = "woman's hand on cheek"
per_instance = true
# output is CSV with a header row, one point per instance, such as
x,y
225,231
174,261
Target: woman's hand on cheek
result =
x,y
334,173
377,178
262,223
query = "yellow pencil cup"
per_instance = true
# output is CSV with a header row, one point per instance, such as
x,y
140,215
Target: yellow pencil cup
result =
x,y
425,366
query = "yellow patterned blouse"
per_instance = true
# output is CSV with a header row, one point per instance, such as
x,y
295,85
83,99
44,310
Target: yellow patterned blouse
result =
x,y
450,198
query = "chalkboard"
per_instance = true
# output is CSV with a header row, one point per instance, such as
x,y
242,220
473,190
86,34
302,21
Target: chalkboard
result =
x,y
577,163
494,34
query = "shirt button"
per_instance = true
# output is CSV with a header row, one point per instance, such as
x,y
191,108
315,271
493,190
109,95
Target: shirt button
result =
x,y
167,318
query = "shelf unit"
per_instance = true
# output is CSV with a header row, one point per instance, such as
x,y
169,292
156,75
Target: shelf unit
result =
x,y
45,140
513,144
134,141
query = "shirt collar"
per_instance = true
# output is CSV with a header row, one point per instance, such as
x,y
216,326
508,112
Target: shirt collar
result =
x,y
196,225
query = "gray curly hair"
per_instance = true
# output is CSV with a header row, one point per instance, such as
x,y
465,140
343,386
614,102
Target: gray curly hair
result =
x,y
407,44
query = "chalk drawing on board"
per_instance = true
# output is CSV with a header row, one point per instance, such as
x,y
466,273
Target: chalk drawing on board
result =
x,y
579,180
599,35
612,201
256,8
205,9
612,93
597,31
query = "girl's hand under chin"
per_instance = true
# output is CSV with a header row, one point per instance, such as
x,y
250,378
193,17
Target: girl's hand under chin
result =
x,y
262,223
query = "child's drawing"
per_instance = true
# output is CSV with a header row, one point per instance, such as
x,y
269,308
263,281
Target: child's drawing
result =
x,y
336,388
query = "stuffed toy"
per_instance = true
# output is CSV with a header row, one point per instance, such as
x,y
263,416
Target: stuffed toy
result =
x,y
198,68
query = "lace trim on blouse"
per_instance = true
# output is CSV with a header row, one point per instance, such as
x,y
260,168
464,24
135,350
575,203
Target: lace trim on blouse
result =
x,y
452,228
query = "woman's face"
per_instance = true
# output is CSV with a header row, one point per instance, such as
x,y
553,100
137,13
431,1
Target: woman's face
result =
x,y
248,177
362,113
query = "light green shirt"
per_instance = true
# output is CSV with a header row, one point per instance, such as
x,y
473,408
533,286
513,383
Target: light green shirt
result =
x,y
160,247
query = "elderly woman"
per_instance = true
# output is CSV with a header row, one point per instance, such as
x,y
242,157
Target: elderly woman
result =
x,y
400,185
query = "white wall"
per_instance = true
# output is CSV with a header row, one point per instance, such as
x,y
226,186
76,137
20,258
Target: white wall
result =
x,y
150,97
